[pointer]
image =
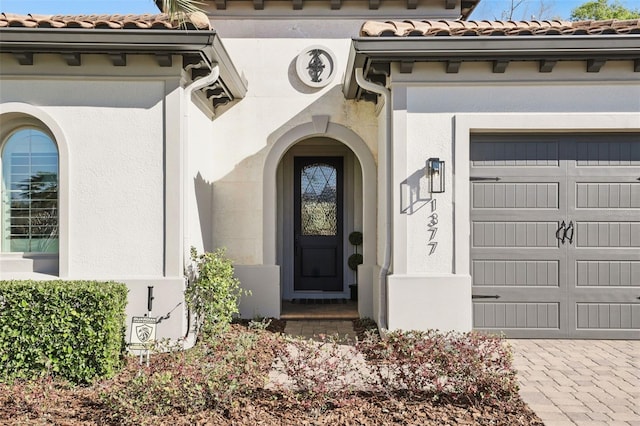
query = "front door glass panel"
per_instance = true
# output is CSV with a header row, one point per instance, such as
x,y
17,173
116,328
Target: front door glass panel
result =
x,y
319,202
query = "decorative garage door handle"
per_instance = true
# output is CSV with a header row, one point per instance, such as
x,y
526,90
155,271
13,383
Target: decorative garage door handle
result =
x,y
568,233
485,297
565,232
561,232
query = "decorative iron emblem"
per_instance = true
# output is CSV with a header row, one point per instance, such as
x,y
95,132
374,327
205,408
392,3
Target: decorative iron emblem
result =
x,y
316,66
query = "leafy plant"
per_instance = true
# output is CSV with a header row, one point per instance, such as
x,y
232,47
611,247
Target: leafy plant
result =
x,y
354,260
175,7
213,292
212,375
602,10
355,238
69,329
321,374
466,367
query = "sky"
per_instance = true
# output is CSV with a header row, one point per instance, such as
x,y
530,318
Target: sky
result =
x,y
488,9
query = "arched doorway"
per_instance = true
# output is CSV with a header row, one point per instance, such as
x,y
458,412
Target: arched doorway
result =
x,y
320,203
358,210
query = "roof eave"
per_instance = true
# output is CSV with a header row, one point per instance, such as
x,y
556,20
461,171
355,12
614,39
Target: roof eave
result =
x,y
204,43
470,48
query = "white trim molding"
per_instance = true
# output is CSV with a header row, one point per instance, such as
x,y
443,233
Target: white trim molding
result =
x,y
14,114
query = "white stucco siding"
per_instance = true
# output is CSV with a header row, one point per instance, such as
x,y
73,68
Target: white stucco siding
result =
x,y
122,175
114,132
200,179
434,115
428,129
276,102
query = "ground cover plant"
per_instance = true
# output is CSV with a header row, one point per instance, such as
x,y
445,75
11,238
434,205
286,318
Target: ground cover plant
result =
x,y
252,374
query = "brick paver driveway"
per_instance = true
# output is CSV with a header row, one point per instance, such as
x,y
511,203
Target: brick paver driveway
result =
x,y
580,382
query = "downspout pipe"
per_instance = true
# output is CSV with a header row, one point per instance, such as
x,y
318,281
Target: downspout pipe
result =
x,y
388,168
202,82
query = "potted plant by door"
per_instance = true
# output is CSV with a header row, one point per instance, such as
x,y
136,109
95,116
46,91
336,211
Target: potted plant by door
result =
x,y
355,238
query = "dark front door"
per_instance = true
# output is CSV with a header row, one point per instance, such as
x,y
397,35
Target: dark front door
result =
x,y
318,224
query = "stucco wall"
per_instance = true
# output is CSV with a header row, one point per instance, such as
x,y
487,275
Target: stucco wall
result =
x,y
113,125
114,132
233,160
428,104
276,102
427,115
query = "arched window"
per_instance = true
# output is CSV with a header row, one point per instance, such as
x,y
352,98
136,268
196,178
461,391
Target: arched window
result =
x,y
29,192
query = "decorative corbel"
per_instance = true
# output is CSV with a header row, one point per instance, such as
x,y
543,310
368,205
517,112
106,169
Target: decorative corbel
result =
x,y
24,58
546,65
164,59
406,67
73,59
118,59
500,66
453,66
594,65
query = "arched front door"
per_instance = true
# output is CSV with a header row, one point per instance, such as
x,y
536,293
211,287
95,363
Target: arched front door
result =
x,y
318,224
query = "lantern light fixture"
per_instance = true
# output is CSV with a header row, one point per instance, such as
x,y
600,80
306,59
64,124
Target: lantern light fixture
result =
x,y
435,171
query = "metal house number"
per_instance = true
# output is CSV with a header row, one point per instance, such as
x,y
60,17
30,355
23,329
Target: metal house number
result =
x,y
432,228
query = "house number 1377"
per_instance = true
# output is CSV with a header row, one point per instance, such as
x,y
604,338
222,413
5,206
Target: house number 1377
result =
x,y
432,228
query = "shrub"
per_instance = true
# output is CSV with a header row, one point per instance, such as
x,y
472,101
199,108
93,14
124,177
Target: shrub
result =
x,y
213,292
354,260
355,238
70,329
465,367
320,374
211,375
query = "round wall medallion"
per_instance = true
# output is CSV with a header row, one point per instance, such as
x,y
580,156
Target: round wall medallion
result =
x,y
316,66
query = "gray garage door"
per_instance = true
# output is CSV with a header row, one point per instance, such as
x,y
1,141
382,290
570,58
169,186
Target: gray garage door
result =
x,y
555,248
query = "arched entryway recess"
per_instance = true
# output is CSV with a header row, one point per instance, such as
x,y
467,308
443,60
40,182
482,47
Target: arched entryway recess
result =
x,y
343,139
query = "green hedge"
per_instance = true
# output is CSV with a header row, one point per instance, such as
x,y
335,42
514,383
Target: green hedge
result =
x,y
70,329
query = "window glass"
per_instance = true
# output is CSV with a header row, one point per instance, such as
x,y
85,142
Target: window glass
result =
x,y
29,191
319,200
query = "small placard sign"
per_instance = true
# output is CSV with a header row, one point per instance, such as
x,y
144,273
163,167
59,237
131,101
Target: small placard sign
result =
x,y
143,332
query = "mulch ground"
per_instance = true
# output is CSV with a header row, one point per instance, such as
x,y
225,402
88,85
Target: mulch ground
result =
x,y
47,402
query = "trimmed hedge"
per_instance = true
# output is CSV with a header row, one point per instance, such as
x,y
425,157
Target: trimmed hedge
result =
x,y
70,329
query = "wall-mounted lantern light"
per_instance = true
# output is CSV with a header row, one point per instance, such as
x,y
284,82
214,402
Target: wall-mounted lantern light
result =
x,y
435,170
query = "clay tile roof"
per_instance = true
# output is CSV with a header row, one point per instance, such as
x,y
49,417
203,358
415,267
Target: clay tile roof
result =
x,y
427,28
197,20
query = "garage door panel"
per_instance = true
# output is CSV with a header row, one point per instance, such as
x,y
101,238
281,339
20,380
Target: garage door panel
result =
x,y
605,273
612,316
514,234
510,315
516,272
511,153
605,153
607,195
515,195
607,234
